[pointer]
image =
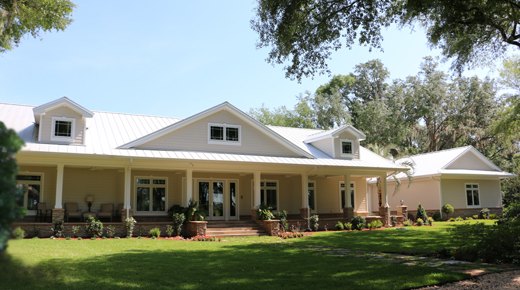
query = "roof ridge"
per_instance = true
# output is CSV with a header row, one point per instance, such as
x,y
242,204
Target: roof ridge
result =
x,y
133,114
295,128
434,152
17,105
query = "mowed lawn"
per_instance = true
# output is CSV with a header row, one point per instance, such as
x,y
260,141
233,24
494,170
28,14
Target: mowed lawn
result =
x,y
238,263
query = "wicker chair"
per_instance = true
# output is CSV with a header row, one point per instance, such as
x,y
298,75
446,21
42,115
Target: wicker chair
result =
x,y
71,211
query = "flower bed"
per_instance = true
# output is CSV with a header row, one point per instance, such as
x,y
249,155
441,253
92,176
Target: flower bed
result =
x,y
291,235
204,238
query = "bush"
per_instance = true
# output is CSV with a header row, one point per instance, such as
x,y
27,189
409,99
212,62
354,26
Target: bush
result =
x,y
407,224
79,239
339,226
93,227
437,216
282,215
111,231
178,220
377,224
421,213
430,221
18,233
484,213
475,216
67,238
411,216
75,230
447,209
154,233
512,211
129,224
358,222
459,219
57,229
265,214
348,226
469,218
452,219
370,226
492,216
169,230
420,222
314,219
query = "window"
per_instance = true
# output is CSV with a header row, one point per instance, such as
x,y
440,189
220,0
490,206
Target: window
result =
x,y
312,195
344,198
151,194
472,194
347,148
63,129
32,186
224,134
268,193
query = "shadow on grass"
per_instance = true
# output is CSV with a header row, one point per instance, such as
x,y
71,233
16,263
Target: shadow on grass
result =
x,y
223,266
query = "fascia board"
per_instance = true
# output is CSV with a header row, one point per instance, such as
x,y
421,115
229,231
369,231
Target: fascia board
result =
x,y
85,113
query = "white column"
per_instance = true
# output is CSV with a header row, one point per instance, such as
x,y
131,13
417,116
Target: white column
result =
x,y
59,187
189,185
305,190
383,190
347,190
256,181
128,186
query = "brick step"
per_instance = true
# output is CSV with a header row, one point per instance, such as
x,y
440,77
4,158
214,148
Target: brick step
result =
x,y
241,235
234,229
236,233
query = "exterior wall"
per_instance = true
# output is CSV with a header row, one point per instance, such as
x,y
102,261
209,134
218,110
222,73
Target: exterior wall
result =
x,y
337,145
49,182
470,161
325,145
46,125
194,137
423,191
328,195
454,193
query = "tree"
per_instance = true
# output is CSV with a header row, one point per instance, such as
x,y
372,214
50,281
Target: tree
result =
x,y
302,116
10,194
21,17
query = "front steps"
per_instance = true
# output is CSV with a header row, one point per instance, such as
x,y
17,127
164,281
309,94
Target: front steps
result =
x,y
234,229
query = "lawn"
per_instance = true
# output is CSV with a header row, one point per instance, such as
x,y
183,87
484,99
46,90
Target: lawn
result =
x,y
244,263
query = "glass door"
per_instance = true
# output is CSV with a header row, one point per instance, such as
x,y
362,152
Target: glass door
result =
x,y
204,197
217,200
232,213
32,186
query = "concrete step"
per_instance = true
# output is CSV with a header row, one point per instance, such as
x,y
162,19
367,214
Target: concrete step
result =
x,y
234,229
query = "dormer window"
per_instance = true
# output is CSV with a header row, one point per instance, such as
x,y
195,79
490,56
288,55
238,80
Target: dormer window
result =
x,y
347,148
224,134
63,129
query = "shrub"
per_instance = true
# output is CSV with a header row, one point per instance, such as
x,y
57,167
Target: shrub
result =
x,y
411,216
469,218
79,239
430,221
291,235
201,238
265,214
339,226
421,213
18,233
129,224
93,227
314,219
169,230
92,238
111,231
75,230
67,238
154,233
475,216
459,219
348,226
484,213
437,216
447,209
377,224
57,229
420,222
407,224
512,211
178,220
358,222
452,219
393,220
370,226
282,215
492,216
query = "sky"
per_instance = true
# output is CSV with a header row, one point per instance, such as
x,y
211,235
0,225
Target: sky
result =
x,y
175,59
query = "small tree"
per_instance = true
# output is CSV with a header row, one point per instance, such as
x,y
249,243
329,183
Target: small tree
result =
x,y
129,224
447,209
178,220
421,213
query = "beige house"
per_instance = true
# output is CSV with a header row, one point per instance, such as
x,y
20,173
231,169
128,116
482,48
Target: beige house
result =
x,y
220,157
461,177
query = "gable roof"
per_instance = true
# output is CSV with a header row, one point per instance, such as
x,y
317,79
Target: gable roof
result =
x,y
41,110
226,107
333,133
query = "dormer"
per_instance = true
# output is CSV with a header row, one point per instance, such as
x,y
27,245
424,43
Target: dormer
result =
x,y
62,121
340,143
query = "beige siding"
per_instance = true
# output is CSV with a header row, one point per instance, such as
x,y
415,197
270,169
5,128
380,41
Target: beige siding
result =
x,y
360,196
49,182
454,192
46,125
337,145
425,192
470,161
194,137
325,146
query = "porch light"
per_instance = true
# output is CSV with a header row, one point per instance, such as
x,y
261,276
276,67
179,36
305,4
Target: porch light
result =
x,y
89,199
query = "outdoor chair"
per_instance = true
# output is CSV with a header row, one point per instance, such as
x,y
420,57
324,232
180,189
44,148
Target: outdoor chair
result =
x,y
120,209
106,211
71,211
42,212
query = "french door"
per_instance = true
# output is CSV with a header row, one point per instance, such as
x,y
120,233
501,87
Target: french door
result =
x,y
218,199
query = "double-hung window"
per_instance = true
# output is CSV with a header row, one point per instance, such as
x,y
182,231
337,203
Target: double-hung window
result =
x,y
224,134
347,148
151,194
63,129
268,193
347,200
472,194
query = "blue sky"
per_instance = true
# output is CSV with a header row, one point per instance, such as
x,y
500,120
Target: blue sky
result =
x,y
174,58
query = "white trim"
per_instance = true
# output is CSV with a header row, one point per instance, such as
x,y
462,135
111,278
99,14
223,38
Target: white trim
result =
x,y
479,205
40,129
348,155
224,141
265,195
333,148
84,130
334,133
346,200
151,186
478,154
63,138
25,182
40,110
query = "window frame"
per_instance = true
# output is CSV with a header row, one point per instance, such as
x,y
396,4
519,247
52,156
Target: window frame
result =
x,y
341,148
265,195
472,196
224,140
347,200
314,188
151,186
72,129
25,182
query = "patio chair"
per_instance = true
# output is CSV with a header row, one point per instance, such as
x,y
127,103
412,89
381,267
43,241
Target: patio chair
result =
x,y
71,211
120,209
106,211
42,212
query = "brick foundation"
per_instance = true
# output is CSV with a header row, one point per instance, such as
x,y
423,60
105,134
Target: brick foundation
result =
x,y
348,213
304,213
470,212
272,227
196,228
58,214
123,214
384,212
254,214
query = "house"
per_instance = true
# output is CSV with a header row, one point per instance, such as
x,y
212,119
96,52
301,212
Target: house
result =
x,y
220,157
462,177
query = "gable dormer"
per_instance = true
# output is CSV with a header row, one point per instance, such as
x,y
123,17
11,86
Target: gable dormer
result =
x,y
62,121
341,143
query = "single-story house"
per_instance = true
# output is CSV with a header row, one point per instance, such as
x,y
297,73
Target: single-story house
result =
x,y
462,177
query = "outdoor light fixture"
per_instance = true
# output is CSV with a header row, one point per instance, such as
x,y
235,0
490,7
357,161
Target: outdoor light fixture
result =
x,y
89,199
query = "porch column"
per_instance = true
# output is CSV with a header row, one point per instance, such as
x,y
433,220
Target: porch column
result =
x,y
189,185
347,190
386,207
59,187
128,180
256,195
304,211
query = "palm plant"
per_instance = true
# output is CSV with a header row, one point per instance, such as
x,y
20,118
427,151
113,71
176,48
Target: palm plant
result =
x,y
391,153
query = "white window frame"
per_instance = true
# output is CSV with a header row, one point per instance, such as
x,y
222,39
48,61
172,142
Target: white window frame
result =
x,y
63,138
314,188
265,195
149,212
466,195
341,147
346,198
25,182
224,141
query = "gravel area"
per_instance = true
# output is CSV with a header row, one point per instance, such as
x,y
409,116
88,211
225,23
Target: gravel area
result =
x,y
501,280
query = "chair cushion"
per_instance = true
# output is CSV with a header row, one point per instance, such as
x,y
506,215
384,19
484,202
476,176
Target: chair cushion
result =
x,y
104,214
107,207
71,206
74,214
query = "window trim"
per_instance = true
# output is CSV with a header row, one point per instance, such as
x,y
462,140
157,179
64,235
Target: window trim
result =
x,y
63,138
339,194
41,182
341,148
466,195
149,212
224,141
265,196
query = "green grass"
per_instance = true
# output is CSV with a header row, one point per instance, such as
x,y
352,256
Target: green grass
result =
x,y
243,263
